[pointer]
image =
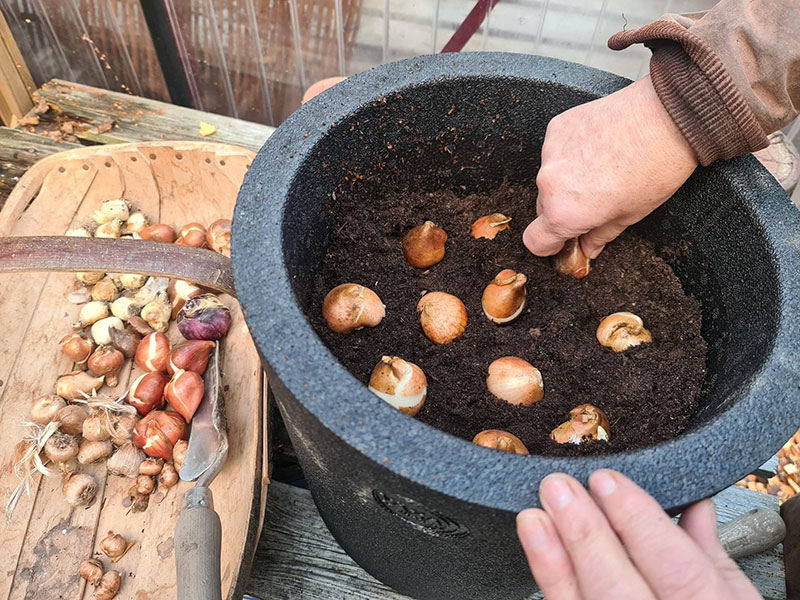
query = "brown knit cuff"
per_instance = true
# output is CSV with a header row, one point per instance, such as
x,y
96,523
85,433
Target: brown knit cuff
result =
x,y
697,91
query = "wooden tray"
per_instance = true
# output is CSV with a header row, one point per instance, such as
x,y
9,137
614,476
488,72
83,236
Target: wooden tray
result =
x,y
42,546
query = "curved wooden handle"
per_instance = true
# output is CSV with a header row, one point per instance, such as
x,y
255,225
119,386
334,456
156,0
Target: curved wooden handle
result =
x,y
198,539
73,254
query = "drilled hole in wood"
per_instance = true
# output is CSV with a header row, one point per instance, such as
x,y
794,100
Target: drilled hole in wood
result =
x,y
208,161
61,169
108,164
85,167
222,162
133,159
179,156
152,156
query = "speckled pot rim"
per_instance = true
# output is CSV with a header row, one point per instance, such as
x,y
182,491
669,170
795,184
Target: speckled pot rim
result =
x,y
695,465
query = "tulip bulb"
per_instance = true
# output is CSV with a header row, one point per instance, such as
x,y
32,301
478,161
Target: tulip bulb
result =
x,y
125,340
153,352
504,298
400,383
500,440
158,431
191,355
571,260
586,422
184,392
77,348
515,380
349,307
193,234
90,313
179,292
106,361
489,226
110,210
622,330
218,236
423,246
158,233
135,223
101,330
443,317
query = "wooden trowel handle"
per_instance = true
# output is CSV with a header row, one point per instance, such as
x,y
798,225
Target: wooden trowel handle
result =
x,y
73,254
198,538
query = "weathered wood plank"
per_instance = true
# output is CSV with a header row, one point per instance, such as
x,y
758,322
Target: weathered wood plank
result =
x,y
297,558
16,83
140,119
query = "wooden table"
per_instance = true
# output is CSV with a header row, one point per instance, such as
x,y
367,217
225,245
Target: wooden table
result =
x,y
296,557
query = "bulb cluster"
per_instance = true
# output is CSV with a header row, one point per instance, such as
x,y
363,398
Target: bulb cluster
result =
x,y
443,319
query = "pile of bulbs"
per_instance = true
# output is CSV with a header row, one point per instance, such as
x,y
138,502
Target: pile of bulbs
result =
x,y
443,318
126,316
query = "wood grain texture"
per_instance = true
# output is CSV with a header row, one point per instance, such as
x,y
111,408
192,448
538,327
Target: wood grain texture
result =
x,y
16,83
298,559
46,539
138,119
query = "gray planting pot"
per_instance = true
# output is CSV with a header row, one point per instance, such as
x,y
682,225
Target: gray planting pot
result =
x,y
427,513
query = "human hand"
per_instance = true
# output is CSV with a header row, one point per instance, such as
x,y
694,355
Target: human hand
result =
x,y
606,164
619,544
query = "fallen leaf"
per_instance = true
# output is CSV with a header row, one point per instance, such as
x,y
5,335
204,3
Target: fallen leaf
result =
x,y
206,129
25,121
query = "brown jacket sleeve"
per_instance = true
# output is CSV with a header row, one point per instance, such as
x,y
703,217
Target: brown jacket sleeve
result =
x,y
728,76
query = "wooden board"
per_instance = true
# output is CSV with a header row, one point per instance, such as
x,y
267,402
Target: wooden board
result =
x,y
16,83
298,559
45,541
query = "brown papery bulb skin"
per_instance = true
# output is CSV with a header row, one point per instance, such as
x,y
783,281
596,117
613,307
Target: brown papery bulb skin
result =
x,y
423,246
515,380
399,383
71,418
109,586
145,484
153,352
191,355
443,317
168,476
504,298
586,423
571,260
622,330
500,440
61,447
151,466
107,361
350,306
219,236
79,489
45,408
179,453
113,545
95,428
91,570
489,226
158,233
77,385
92,451
193,235
77,348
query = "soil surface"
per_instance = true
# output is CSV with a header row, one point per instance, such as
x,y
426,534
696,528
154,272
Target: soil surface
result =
x,y
648,392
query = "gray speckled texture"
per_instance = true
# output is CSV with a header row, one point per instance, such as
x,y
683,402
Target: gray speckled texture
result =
x,y
731,234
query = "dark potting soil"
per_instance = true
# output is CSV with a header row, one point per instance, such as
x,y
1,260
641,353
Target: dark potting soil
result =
x,y
648,392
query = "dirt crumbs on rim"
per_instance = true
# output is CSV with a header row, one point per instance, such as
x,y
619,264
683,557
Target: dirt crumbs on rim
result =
x,y
648,392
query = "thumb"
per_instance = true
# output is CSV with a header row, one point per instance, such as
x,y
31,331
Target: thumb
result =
x,y
541,239
592,243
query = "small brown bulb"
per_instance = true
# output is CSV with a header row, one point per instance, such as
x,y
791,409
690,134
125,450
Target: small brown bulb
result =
x,y
45,408
218,236
586,422
489,226
500,440
193,234
145,484
443,317
91,570
504,298
114,545
77,348
400,383
71,418
423,246
158,233
622,330
349,307
107,361
109,586
515,380
571,260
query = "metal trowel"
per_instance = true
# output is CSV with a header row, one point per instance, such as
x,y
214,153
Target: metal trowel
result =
x,y
198,533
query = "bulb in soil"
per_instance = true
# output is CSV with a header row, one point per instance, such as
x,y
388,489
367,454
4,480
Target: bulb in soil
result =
x,y
349,307
622,330
443,317
500,440
504,298
515,380
423,246
400,383
586,423
489,226
571,260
